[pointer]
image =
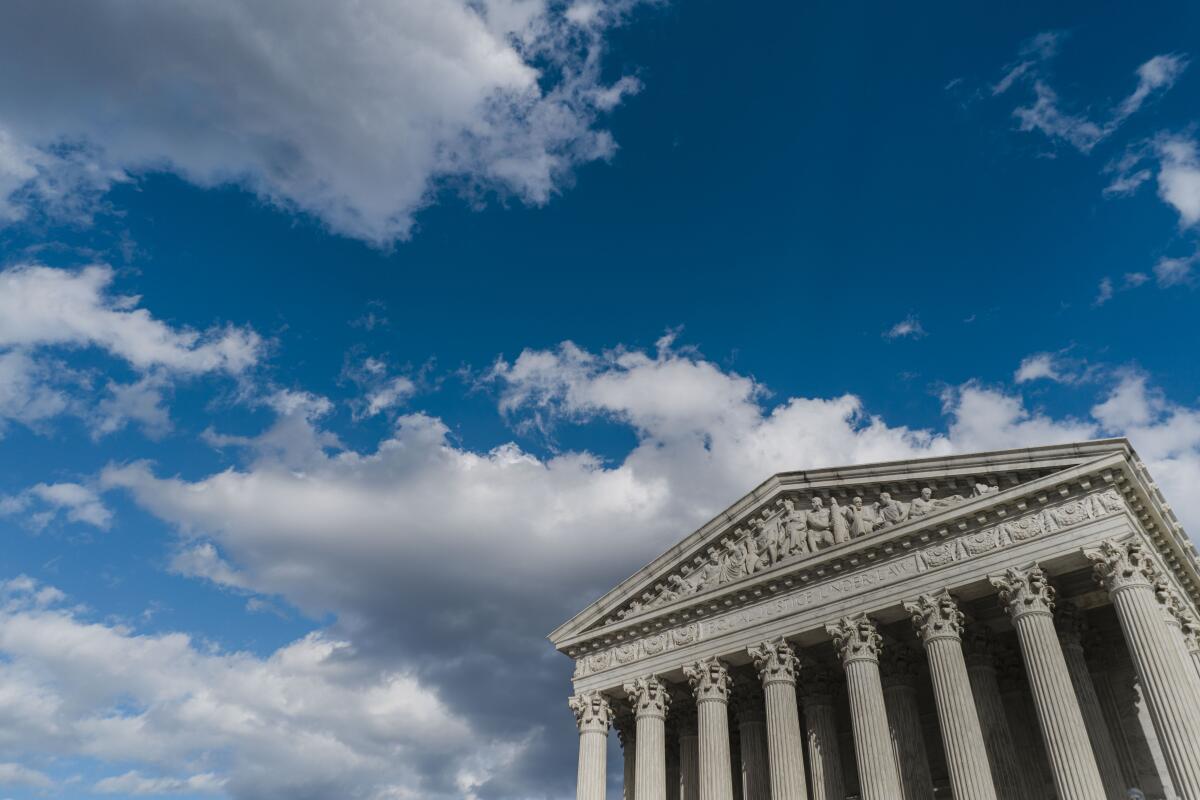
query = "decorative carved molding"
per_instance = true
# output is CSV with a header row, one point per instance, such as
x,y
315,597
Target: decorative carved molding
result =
x,y
1121,565
1024,591
936,616
775,661
855,638
648,696
1011,532
593,713
710,680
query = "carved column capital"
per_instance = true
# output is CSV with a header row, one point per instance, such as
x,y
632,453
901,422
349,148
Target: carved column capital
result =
x,y
593,713
855,638
1168,599
899,665
936,616
1121,565
775,661
1024,591
648,696
1070,624
710,679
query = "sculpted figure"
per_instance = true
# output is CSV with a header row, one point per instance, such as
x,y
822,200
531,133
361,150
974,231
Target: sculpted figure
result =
x,y
707,576
733,562
889,511
982,489
860,518
769,540
923,505
795,529
819,528
838,522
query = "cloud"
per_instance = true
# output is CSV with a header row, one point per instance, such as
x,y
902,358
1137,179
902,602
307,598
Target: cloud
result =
x,y
1038,366
1179,177
45,501
358,114
1176,271
312,719
909,327
1046,116
1157,75
18,775
1104,292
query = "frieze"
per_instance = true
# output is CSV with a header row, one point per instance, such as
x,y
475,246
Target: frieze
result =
x,y
977,543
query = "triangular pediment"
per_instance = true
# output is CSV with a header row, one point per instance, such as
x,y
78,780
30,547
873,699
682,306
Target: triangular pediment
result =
x,y
796,517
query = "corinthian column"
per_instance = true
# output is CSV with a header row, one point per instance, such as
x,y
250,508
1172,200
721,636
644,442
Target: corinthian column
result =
x,y
626,732
1070,624
710,684
1178,619
858,643
1029,600
1036,776
898,669
777,665
820,733
749,709
940,624
1191,641
689,753
1126,571
650,699
593,716
1007,772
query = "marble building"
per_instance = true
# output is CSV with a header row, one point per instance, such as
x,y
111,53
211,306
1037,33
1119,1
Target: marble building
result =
x,y
1017,624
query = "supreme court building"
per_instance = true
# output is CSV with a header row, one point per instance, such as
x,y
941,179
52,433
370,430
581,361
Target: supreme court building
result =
x,y
1008,625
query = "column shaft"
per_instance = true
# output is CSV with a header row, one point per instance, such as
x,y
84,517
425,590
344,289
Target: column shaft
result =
x,y
710,684
824,758
997,736
908,740
689,760
593,716
651,738
777,664
1093,718
756,780
966,754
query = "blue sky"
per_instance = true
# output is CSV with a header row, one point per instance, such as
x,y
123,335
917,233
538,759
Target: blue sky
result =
x,y
344,353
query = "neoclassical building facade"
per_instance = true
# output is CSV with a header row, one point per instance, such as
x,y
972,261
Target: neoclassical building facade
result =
x,y
999,626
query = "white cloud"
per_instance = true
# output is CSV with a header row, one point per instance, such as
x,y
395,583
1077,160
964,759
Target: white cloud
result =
x,y
909,327
315,718
1037,366
44,501
1046,116
356,113
1179,177
1104,292
1175,271
1156,75
18,775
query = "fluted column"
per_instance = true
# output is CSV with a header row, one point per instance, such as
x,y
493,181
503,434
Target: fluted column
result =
x,y
1070,624
650,700
710,684
898,671
1191,641
674,774
626,732
940,624
777,664
749,708
684,712
1029,600
858,644
820,733
1036,777
1176,615
1126,571
1007,772
1099,651
593,716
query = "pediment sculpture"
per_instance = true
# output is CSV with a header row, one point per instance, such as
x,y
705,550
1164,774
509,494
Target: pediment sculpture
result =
x,y
785,533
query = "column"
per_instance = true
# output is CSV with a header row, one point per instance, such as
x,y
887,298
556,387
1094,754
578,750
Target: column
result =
x,y
777,664
748,705
1099,653
1037,777
626,727
1069,621
650,699
1007,771
940,624
820,733
673,766
858,644
1191,640
710,685
898,671
689,750
1126,571
1175,615
593,716
1029,600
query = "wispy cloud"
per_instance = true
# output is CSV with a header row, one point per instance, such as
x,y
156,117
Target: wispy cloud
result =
x,y
907,328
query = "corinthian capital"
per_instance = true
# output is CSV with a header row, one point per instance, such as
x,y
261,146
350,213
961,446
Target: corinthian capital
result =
x,y
936,616
1024,591
1168,598
592,712
710,679
1119,565
855,638
648,696
775,661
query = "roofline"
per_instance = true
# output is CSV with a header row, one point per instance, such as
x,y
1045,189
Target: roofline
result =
x,y
1084,451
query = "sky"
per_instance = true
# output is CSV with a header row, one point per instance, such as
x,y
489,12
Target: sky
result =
x,y
348,349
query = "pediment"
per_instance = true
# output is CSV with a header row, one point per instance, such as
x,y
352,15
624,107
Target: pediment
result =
x,y
800,517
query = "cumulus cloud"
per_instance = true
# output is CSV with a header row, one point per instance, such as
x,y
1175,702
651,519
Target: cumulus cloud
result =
x,y
44,502
1179,177
358,114
312,719
47,312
